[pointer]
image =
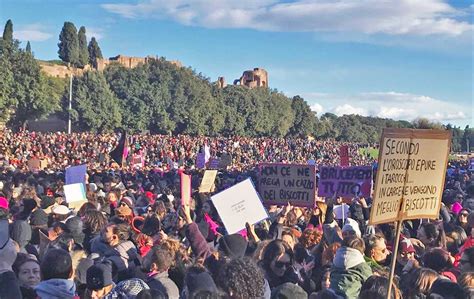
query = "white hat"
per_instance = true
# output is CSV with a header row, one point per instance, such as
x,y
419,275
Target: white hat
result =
x,y
93,187
352,225
60,210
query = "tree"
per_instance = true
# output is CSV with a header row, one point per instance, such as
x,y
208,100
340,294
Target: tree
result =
x,y
8,32
6,85
69,44
83,51
32,102
28,48
95,105
304,118
94,52
424,123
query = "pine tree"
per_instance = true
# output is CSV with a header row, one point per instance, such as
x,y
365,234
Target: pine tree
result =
x,y
94,52
28,47
69,44
83,51
8,32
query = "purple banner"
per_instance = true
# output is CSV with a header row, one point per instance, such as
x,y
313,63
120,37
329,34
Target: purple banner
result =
x,y
214,163
76,174
345,181
200,160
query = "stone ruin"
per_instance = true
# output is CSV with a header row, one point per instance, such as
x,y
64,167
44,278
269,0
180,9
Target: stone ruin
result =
x,y
129,62
62,71
221,82
253,78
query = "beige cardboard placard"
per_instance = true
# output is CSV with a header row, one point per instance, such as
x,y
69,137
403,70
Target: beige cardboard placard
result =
x,y
34,164
207,181
410,175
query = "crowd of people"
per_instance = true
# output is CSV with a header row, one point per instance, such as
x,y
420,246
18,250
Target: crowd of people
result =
x,y
135,238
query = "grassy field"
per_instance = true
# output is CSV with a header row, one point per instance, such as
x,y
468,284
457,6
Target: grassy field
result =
x,y
373,152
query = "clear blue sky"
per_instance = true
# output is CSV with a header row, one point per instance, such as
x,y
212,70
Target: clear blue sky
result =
x,y
397,58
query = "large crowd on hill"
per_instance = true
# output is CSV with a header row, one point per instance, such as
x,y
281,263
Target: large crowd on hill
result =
x,y
134,238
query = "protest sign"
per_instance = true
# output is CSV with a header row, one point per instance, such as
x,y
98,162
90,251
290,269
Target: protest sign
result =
x,y
345,182
214,163
238,205
344,155
471,164
75,195
43,164
76,174
200,160
410,176
341,211
207,181
311,162
137,161
185,188
283,183
34,164
225,161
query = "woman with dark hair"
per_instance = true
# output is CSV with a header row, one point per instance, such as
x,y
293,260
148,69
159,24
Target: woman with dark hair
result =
x,y
431,235
461,220
94,222
277,264
85,208
441,261
241,278
377,287
27,270
417,283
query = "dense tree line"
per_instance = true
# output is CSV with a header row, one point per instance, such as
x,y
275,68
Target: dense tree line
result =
x,y
25,91
160,97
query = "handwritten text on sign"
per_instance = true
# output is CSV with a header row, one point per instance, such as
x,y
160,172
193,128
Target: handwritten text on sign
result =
x,y
345,182
412,166
283,183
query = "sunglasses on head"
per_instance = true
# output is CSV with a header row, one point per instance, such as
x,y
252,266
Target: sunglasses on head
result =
x,y
282,264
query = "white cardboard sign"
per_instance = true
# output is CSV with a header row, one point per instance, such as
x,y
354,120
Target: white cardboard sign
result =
x,y
75,194
239,204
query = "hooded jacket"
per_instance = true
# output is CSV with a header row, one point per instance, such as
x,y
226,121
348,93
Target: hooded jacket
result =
x,y
349,272
161,282
121,255
56,289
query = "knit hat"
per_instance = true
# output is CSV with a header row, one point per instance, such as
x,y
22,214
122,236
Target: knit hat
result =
x,y
200,282
99,275
406,245
289,290
128,201
3,203
75,226
456,208
233,245
29,205
93,187
129,288
46,202
352,225
151,225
